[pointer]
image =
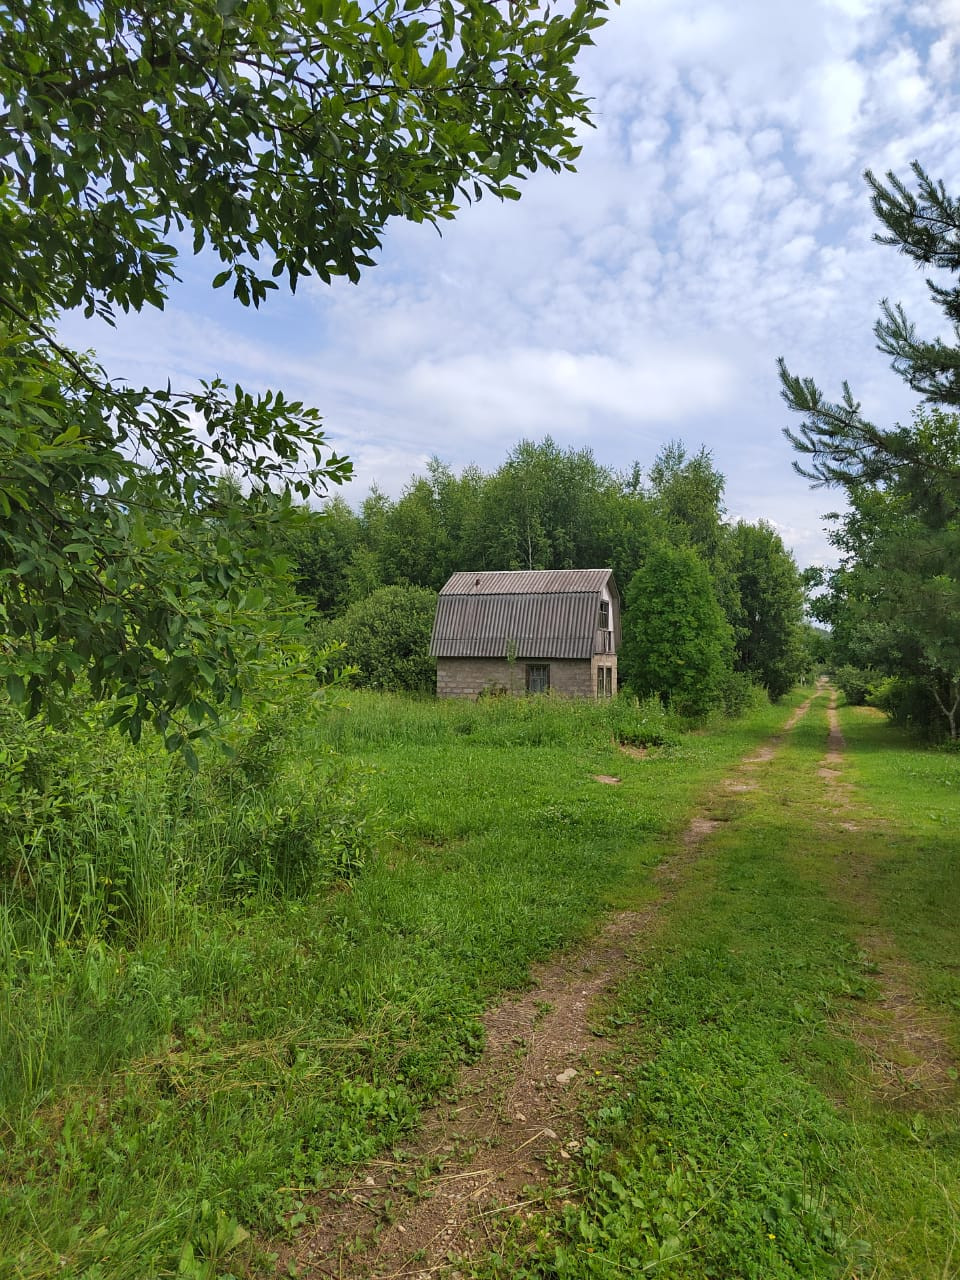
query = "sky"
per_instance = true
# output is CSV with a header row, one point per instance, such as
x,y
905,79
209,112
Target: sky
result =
x,y
718,219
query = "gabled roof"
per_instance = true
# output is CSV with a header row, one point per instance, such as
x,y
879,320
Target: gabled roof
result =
x,y
526,613
526,581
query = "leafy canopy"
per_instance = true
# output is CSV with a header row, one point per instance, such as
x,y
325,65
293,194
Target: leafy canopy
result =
x,y
770,621
280,138
677,642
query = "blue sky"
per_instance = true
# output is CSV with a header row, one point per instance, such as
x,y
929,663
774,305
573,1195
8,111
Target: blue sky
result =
x,y
718,219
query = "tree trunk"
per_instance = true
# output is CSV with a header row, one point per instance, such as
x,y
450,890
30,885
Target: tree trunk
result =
x,y
950,712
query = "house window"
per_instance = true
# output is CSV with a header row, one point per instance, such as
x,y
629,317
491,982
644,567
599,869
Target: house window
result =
x,y
604,634
538,677
604,682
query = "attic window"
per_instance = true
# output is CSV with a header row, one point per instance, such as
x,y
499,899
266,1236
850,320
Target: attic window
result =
x,y
604,623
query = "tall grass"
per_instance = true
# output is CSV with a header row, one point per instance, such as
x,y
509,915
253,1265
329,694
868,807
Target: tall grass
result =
x,y
109,849
377,720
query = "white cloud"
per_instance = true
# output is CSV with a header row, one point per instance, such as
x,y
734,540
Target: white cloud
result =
x,y
533,390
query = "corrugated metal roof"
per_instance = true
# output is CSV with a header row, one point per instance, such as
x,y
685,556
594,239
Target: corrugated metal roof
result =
x,y
548,625
524,581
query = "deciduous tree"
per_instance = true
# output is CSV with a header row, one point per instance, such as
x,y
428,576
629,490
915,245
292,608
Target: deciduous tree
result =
x,y
676,640
280,138
769,635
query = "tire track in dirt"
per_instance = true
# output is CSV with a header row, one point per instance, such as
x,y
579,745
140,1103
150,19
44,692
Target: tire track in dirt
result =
x,y
909,1054
516,1108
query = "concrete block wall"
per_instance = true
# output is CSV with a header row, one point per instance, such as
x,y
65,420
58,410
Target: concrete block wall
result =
x,y
569,677
468,677
604,660
572,678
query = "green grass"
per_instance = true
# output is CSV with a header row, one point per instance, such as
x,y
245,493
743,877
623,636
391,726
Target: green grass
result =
x,y
738,1131
913,793
235,1021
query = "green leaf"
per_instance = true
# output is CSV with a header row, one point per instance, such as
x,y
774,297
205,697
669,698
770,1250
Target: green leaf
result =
x,y
16,689
120,147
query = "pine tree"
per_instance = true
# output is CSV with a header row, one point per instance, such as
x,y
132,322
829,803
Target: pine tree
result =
x,y
839,445
896,598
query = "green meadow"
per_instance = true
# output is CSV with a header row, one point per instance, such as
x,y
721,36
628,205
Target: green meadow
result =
x,y
221,989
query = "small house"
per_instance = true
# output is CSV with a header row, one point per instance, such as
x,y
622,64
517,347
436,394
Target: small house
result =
x,y
528,631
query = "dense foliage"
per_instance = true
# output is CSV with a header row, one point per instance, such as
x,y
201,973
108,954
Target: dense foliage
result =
x,y
98,837
894,603
386,637
547,507
280,139
771,637
678,643
894,600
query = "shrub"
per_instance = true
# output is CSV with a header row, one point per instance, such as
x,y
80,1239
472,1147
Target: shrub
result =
x,y
855,683
386,636
740,694
908,702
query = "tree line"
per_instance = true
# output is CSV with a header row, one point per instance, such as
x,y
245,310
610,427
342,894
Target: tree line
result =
x,y
283,139
732,591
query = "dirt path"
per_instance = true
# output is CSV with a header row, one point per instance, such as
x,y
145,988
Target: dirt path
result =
x,y
483,1156
910,1057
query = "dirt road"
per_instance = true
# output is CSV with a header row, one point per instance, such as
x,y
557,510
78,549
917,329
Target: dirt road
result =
x,y
478,1157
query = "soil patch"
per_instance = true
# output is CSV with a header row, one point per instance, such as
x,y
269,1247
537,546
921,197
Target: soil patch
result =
x,y
911,1062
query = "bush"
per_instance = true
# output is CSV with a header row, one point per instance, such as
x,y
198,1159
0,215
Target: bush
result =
x,y
855,683
386,636
740,694
908,703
